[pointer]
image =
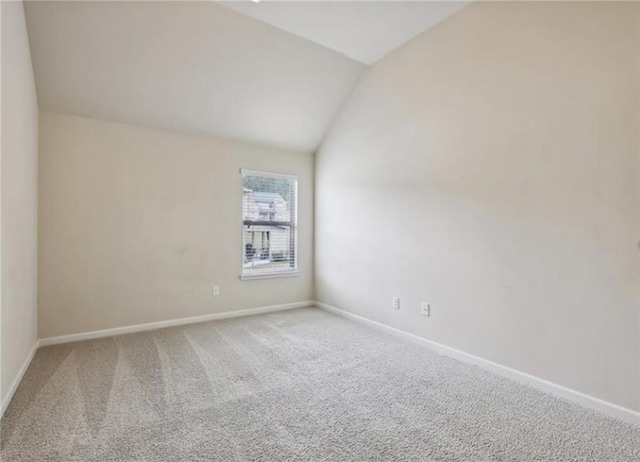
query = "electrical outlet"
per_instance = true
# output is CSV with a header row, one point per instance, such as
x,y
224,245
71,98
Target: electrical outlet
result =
x,y
425,309
395,303
216,290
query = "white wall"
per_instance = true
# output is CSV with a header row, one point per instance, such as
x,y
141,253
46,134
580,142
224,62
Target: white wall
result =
x,y
490,167
137,225
19,198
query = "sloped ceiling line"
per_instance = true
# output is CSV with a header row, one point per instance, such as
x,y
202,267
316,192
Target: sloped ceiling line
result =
x,y
198,67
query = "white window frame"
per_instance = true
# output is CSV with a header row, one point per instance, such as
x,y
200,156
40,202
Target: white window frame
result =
x,y
274,274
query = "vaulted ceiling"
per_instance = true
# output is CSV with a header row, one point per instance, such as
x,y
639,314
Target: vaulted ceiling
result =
x,y
199,67
362,30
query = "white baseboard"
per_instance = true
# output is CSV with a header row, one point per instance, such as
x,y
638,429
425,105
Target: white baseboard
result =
x,y
18,379
170,323
613,410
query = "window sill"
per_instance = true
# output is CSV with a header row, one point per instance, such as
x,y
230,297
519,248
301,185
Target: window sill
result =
x,y
283,274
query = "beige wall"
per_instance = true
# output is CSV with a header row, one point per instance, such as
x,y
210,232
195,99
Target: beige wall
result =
x,y
137,225
490,167
19,198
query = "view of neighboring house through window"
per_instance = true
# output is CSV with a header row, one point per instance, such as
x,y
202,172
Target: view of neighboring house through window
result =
x,y
269,215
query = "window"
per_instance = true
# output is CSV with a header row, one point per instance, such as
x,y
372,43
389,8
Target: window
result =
x,y
269,224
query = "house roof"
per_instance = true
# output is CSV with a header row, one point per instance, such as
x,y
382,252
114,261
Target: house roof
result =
x,y
266,197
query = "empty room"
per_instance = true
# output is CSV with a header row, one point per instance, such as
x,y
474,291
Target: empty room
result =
x,y
263,230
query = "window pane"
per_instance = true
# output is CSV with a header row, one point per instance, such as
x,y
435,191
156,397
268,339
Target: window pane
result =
x,y
269,223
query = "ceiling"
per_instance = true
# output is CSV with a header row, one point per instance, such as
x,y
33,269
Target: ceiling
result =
x,y
362,30
192,67
198,67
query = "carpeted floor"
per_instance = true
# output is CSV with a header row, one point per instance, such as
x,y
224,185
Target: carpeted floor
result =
x,y
296,385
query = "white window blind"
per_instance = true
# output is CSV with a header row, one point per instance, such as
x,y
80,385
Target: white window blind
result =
x,y
269,224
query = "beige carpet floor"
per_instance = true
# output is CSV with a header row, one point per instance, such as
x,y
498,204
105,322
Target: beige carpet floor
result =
x,y
297,385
